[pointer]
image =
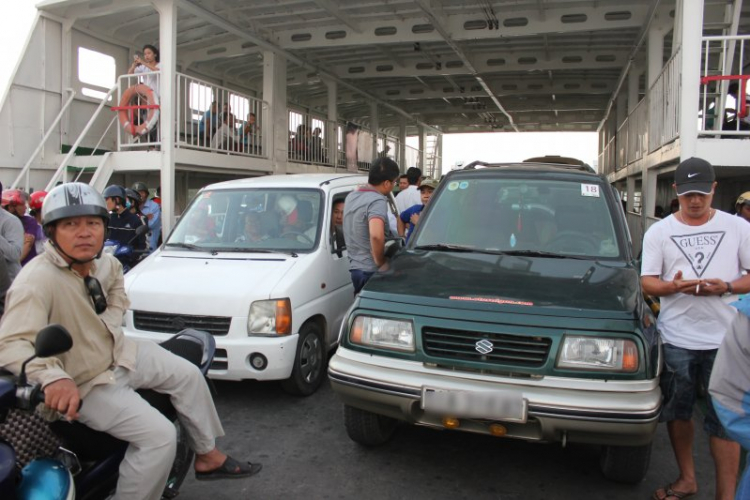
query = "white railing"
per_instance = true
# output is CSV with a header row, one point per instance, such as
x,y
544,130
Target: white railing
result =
x,y
607,157
722,113
138,111
309,139
413,158
220,120
637,126
664,104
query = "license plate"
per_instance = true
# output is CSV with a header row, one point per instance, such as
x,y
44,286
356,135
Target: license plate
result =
x,y
493,405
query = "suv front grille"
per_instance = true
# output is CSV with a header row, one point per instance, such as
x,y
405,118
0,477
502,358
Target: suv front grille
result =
x,y
518,350
173,323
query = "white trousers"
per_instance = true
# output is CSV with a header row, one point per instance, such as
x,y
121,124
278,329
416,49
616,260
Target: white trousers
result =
x,y
118,410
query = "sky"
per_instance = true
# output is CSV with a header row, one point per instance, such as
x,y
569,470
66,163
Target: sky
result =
x,y
490,146
14,29
517,146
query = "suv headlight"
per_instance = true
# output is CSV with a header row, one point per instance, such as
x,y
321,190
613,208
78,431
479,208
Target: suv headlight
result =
x,y
592,353
270,317
386,333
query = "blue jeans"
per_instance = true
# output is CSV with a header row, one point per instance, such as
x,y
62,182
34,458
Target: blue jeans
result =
x,y
359,278
738,428
682,370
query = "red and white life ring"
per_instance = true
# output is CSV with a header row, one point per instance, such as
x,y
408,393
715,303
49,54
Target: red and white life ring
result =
x,y
140,94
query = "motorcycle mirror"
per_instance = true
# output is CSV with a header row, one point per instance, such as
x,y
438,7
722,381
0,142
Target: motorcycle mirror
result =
x,y
139,231
52,340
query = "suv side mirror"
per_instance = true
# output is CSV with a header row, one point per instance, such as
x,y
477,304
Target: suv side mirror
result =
x,y
339,244
392,246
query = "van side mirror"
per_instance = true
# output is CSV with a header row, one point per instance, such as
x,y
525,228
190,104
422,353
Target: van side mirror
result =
x,y
339,244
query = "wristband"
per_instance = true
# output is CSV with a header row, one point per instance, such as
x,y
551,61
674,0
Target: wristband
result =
x,y
730,289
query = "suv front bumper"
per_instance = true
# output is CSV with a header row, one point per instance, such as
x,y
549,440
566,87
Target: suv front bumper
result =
x,y
559,409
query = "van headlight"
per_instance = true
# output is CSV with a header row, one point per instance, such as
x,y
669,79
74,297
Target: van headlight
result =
x,y
270,317
592,353
386,333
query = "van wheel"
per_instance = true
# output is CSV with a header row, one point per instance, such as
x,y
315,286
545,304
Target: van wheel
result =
x,y
367,428
625,464
309,362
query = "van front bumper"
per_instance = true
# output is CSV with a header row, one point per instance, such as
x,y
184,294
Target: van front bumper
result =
x,y
558,409
233,355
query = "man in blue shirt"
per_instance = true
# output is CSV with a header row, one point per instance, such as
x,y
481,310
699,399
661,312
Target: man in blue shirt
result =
x,y
151,210
407,220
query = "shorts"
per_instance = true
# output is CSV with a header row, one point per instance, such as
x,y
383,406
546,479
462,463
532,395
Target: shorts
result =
x,y
683,368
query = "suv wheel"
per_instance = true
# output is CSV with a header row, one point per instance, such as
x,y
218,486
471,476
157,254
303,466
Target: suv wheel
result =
x,y
309,362
367,428
625,464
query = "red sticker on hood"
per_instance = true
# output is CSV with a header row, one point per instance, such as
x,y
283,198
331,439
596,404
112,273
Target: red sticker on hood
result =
x,y
492,300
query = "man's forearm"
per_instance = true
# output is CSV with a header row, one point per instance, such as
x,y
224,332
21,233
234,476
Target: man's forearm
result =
x,y
656,287
740,285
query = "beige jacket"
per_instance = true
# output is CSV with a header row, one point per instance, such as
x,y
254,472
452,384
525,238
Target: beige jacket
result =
x,y
47,291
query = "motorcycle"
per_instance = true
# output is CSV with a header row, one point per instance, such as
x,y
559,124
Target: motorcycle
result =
x,y
125,253
85,467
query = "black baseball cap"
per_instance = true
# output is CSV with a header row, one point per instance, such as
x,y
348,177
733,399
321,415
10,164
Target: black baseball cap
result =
x,y
694,175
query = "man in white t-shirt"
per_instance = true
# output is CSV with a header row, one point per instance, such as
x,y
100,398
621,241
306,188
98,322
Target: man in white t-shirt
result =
x,y
410,196
694,260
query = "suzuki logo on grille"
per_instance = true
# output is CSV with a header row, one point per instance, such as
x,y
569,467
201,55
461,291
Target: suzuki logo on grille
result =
x,y
484,346
178,323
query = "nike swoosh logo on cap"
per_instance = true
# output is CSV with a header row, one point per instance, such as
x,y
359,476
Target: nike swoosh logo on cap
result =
x,y
690,176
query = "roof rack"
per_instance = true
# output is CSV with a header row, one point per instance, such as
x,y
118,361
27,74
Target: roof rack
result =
x,y
579,165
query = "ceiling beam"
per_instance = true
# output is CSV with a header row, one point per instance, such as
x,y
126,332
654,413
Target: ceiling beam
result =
x,y
243,33
333,10
438,22
466,27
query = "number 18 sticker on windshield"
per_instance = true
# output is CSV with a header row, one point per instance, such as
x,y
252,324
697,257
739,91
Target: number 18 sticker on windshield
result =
x,y
590,190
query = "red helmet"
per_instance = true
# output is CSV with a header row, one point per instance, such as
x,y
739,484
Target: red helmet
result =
x,y
13,197
37,199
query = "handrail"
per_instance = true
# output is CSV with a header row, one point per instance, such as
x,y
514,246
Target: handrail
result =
x,y
83,133
27,166
93,151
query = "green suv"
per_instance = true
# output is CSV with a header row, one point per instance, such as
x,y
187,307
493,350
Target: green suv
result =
x,y
514,311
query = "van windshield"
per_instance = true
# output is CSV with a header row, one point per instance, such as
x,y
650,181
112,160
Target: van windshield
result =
x,y
512,215
261,219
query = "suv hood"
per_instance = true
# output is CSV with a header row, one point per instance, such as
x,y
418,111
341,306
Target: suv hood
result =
x,y
550,286
203,284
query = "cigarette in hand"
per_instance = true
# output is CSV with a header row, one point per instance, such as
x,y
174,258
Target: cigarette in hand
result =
x,y
697,288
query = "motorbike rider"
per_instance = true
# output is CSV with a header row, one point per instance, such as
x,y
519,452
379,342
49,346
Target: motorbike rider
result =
x,y
135,204
72,283
152,211
36,199
14,201
122,222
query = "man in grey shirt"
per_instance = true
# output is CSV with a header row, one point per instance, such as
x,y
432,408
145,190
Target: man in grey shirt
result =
x,y
11,241
366,222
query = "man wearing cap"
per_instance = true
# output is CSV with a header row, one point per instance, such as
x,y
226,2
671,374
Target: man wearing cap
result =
x,y
694,260
742,206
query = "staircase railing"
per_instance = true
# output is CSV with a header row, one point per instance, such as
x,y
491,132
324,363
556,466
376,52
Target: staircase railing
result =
x,y
56,176
27,166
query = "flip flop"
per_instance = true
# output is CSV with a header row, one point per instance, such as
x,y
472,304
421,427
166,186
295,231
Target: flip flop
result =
x,y
230,469
669,492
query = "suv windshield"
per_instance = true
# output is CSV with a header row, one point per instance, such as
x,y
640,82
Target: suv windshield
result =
x,y
263,219
521,216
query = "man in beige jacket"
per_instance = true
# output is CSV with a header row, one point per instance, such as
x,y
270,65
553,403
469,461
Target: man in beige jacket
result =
x,y
74,285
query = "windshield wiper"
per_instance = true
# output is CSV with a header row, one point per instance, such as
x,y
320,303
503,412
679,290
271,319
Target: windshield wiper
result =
x,y
189,246
242,249
541,253
445,246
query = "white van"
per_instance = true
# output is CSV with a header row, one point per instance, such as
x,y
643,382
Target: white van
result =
x,y
255,263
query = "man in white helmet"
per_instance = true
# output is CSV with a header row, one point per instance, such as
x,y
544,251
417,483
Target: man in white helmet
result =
x,y
73,284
